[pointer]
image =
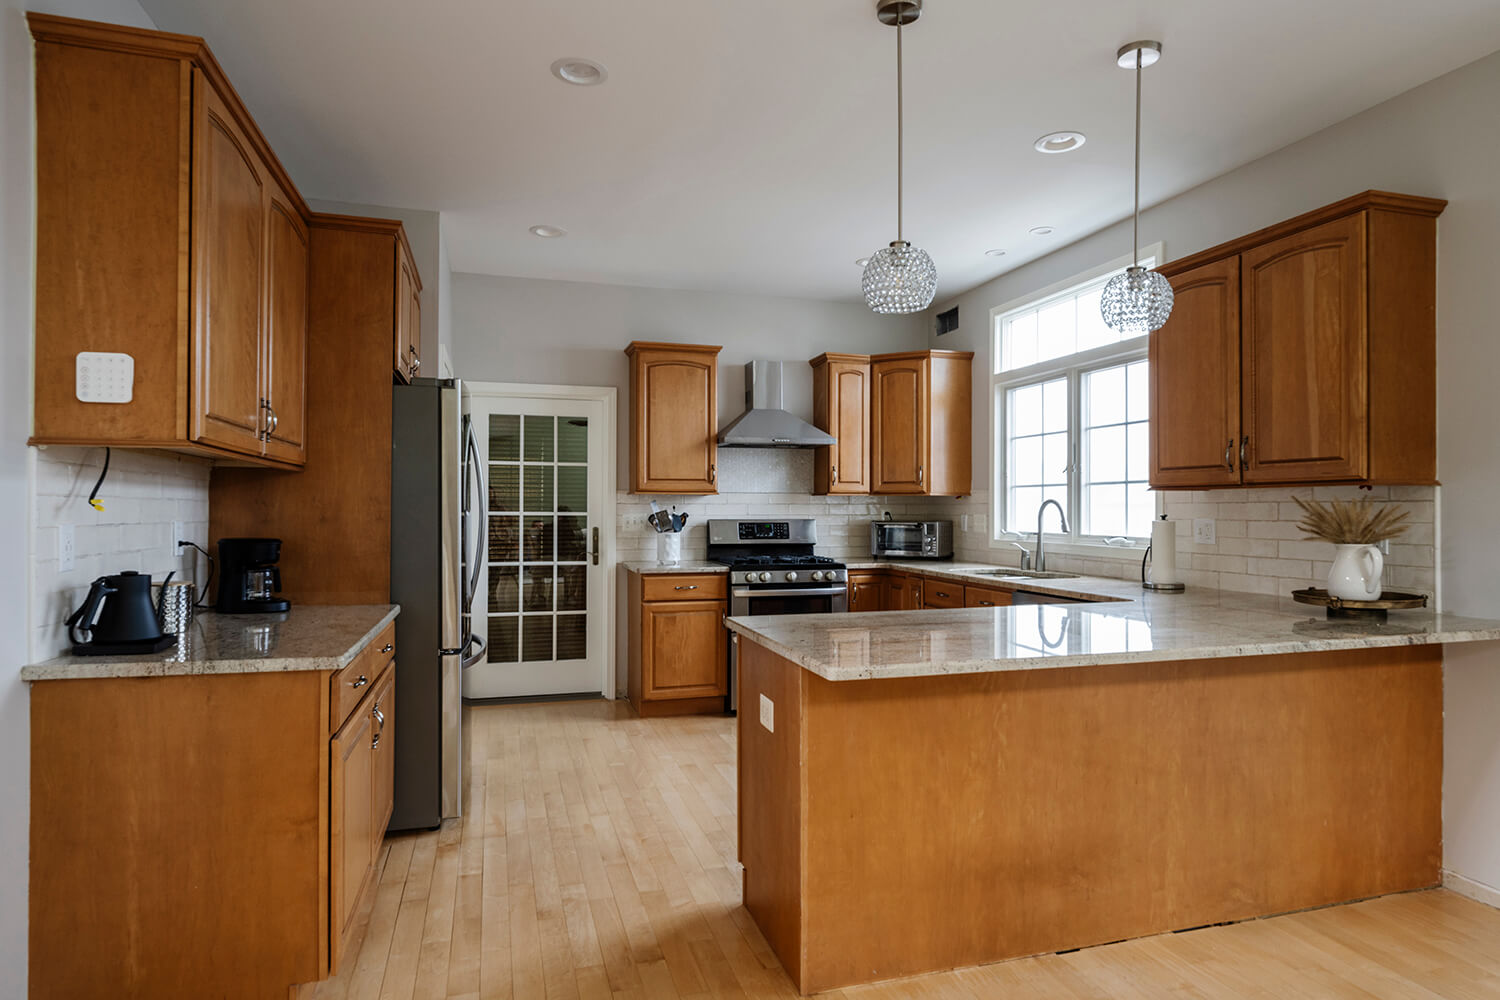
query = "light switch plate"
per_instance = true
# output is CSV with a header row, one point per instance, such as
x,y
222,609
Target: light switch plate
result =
x,y
65,551
1203,531
768,714
101,377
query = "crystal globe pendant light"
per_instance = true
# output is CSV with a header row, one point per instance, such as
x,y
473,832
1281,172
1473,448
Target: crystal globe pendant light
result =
x,y
899,278
1138,301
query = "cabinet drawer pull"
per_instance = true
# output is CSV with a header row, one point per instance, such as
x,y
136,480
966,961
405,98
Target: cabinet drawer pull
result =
x,y
713,474
1229,454
1244,443
415,364
360,682
686,587
833,473
378,716
375,742
986,604
943,593
388,647
919,474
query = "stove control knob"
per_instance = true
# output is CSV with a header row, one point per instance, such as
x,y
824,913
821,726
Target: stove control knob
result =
x,y
791,577
817,576
764,577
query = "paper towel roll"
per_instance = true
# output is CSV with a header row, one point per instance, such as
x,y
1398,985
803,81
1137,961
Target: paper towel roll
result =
x,y
1163,552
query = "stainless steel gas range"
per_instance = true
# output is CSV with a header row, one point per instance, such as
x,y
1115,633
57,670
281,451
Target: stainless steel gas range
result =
x,y
773,570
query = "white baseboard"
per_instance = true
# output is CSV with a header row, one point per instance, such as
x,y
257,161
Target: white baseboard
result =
x,y
1487,894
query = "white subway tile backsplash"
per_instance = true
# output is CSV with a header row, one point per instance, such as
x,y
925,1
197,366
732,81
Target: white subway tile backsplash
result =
x,y
142,495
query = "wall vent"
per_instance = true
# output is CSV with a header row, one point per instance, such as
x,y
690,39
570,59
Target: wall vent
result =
x,y
947,321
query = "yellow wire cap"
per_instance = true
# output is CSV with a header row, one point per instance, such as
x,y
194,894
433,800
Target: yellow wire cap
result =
x,y
97,504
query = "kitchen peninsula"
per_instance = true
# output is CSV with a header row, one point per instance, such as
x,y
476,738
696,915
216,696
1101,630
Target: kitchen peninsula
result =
x,y
934,789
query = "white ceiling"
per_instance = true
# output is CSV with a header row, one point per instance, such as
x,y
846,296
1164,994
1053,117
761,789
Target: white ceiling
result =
x,y
752,146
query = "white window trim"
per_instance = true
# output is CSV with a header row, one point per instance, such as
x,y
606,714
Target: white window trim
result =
x,y
1071,366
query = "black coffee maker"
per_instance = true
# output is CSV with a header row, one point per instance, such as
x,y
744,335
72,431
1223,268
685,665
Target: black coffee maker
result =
x,y
249,576
118,619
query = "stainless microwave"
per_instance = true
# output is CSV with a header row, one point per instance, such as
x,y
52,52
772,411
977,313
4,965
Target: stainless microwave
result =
x,y
911,539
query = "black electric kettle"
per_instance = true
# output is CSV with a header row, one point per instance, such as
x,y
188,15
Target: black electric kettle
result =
x,y
118,618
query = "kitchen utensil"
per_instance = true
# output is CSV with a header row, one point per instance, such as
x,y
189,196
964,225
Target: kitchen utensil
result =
x,y
118,618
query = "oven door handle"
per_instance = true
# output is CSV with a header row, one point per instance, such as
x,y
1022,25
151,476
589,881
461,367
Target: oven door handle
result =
x,y
799,592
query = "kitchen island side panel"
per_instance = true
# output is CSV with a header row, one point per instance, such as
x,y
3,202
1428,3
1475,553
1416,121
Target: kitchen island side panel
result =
x,y
954,820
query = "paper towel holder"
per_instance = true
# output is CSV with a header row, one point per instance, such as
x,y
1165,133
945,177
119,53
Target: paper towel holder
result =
x,y
1161,588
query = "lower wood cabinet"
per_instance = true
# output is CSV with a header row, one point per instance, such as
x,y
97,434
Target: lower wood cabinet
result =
x,y
867,591
679,648
943,594
205,834
986,597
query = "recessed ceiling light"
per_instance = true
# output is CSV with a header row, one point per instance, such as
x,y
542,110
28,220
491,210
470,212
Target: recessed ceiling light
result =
x,y
581,72
1041,231
548,232
1059,142
994,253
861,262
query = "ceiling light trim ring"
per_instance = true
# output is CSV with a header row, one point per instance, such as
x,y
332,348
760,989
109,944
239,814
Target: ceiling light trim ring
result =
x,y
579,72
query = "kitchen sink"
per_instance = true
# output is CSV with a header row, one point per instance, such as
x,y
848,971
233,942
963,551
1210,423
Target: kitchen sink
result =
x,y
1026,574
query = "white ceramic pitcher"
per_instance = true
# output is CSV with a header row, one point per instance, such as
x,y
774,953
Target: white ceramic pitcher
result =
x,y
1355,575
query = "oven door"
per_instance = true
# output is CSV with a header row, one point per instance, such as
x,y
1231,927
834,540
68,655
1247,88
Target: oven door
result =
x,y
898,538
787,600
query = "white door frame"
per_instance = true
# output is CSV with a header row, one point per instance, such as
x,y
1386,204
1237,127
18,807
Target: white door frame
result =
x,y
608,514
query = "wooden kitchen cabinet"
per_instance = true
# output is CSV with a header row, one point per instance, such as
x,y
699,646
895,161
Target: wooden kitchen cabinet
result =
x,y
678,645
921,423
841,407
899,592
942,594
986,597
674,418
867,590
208,834
154,181
408,315
1303,353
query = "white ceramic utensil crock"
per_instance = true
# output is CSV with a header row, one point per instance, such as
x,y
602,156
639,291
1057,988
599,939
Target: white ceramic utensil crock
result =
x,y
1355,575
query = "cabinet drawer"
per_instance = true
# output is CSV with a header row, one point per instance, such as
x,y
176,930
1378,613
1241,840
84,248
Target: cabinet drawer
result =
x,y
942,594
358,678
684,586
986,597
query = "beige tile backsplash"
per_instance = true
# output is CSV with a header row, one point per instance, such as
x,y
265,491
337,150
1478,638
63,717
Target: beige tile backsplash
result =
x,y
142,495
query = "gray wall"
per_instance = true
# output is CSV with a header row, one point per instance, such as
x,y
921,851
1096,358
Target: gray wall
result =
x,y
1441,140
17,229
572,333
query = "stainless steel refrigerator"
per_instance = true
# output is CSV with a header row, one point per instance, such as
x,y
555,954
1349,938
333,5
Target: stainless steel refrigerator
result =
x,y
437,542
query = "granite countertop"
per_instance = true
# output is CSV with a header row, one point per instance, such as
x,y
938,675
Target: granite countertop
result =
x,y
308,637
686,566
1132,626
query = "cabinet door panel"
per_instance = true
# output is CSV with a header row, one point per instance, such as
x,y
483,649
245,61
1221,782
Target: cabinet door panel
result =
x,y
841,406
1195,381
866,592
229,205
406,283
679,425
685,648
286,337
351,845
942,594
383,768
1304,356
901,448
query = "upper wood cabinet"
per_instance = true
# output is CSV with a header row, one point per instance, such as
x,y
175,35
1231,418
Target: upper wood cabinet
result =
x,y
841,406
1304,353
167,232
408,315
921,422
674,415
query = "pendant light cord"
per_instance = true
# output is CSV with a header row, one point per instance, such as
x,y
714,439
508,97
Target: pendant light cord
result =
x,y
1135,237
900,128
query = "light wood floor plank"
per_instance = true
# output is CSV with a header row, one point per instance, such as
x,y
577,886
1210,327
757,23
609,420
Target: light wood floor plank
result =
x,y
597,861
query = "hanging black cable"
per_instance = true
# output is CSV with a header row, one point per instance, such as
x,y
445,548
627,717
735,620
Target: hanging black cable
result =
x,y
207,581
94,501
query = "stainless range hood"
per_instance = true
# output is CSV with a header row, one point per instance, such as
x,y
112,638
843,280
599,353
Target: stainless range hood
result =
x,y
764,424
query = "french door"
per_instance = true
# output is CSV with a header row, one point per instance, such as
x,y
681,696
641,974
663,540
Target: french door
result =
x,y
544,597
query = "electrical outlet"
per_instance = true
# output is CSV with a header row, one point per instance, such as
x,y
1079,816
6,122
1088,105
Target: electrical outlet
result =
x,y
768,714
1203,531
178,535
65,550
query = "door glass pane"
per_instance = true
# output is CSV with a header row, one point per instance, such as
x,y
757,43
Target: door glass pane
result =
x,y
536,638
537,445
539,571
573,439
505,438
572,637
572,539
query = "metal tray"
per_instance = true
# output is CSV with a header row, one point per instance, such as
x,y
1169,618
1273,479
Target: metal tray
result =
x,y
1389,600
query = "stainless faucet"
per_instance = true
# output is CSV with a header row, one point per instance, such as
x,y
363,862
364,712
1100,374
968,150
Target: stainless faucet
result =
x,y
1025,555
1039,562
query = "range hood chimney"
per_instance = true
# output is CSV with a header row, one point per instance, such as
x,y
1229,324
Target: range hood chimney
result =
x,y
765,424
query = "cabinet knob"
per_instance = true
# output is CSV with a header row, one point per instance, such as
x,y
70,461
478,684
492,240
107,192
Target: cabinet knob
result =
x,y
388,647
360,682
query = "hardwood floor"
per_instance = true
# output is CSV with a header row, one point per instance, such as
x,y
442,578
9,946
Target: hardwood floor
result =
x,y
596,859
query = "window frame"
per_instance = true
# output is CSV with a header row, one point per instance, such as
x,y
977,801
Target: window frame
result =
x,y
1073,368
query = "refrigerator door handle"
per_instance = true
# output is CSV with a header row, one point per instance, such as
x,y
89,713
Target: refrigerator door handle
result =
x,y
475,523
479,654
